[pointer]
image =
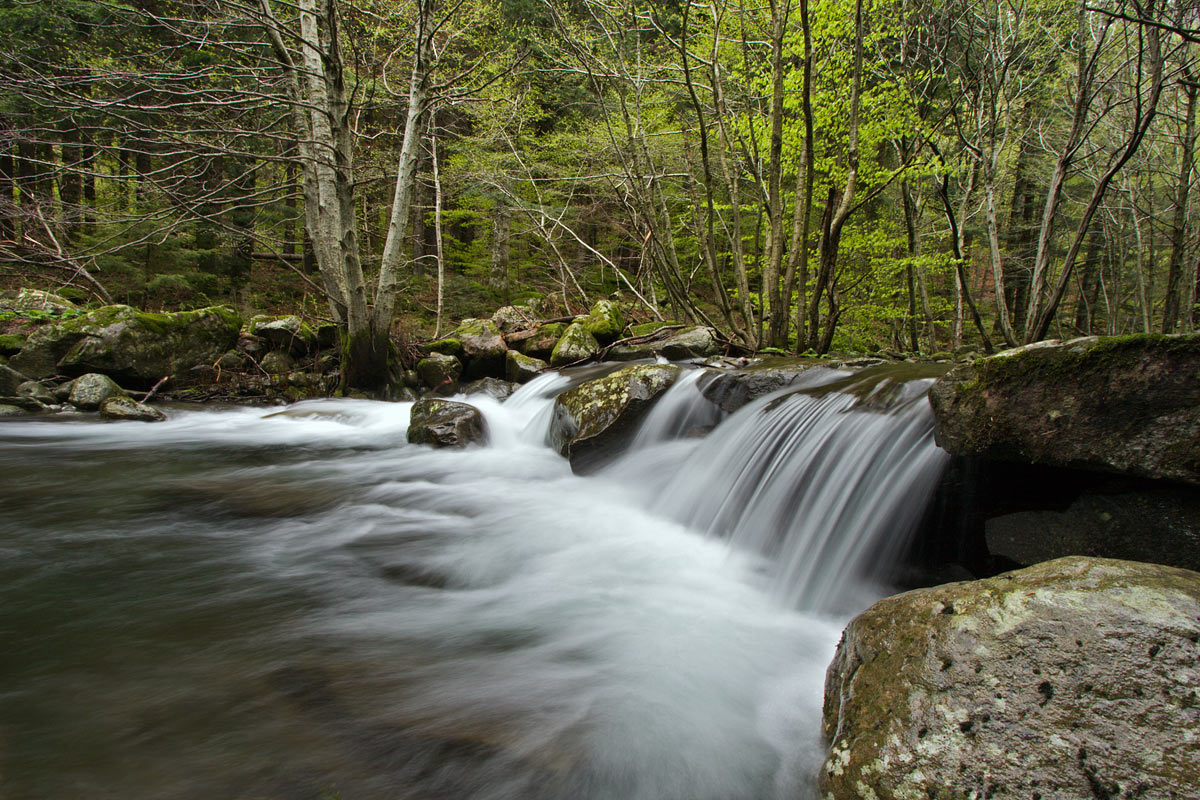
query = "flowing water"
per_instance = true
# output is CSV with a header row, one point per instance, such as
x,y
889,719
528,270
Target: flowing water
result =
x,y
244,603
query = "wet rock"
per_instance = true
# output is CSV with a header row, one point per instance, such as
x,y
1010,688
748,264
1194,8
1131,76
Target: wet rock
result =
x,y
540,342
521,368
7,410
445,423
494,388
732,389
576,344
632,352
90,390
130,345
440,372
126,408
594,420
1128,404
1076,678
483,348
604,321
288,333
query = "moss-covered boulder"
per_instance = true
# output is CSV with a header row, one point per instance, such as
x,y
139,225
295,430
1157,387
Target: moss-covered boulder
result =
x,y
604,321
1075,678
513,318
576,344
134,347
483,348
1128,404
90,390
647,328
38,300
288,333
595,420
521,368
277,362
445,423
130,410
449,346
440,372
11,343
539,343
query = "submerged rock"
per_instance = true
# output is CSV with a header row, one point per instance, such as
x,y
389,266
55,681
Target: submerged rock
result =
x,y
445,423
89,391
1076,678
1128,404
596,418
126,408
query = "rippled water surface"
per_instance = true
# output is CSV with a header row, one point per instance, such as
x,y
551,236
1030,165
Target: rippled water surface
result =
x,y
242,603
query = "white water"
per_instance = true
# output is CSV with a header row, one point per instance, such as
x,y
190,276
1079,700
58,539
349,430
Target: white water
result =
x,y
284,605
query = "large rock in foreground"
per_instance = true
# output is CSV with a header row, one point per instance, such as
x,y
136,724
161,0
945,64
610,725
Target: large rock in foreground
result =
x,y
597,418
134,347
1075,678
1128,404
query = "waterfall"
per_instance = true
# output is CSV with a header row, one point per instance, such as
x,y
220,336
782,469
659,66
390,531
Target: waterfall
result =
x,y
245,602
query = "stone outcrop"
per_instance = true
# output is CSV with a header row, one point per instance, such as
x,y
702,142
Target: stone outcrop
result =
x,y
594,420
1128,405
445,423
1076,678
134,347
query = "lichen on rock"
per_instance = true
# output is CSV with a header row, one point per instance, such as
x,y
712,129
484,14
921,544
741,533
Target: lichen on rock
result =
x,y
1050,681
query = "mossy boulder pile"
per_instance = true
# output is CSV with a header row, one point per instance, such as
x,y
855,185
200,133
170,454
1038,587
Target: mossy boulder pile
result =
x,y
132,346
1128,404
1077,678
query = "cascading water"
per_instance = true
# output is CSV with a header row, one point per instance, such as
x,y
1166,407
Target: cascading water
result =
x,y
244,603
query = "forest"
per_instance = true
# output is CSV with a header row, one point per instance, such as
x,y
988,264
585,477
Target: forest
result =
x,y
803,175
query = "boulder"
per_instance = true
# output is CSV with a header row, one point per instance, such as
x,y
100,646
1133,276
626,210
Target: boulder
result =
x,y
10,379
494,388
37,393
440,372
126,408
732,389
277,362
605,321
576,344
445,423
521,368
513,318
1128,404
594,420
483,348
447,347
7,410
1076,678
36,299
541,341
132,346
690,343
647,328
90,390
11,343
288,333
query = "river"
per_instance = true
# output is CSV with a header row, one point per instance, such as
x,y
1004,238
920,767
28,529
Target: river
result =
x,y
249,603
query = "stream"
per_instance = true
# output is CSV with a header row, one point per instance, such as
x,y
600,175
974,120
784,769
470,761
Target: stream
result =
x,y
264,603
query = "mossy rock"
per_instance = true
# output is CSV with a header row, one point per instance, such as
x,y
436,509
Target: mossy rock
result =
x,y
440,372
1075,678
130,410
521,368
698,342
134,347
540,344
89,391
38,300
483,348
447,347
277,362
576,344
445,423
1126,404
7,410
605,321
647,328
288,333
594,420
11,343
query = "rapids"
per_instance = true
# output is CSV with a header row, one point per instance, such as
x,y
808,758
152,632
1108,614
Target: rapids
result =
x,y
249,603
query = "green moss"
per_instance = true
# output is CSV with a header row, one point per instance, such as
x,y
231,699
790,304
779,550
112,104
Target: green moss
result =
x,y
11,343
647,328
449,346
